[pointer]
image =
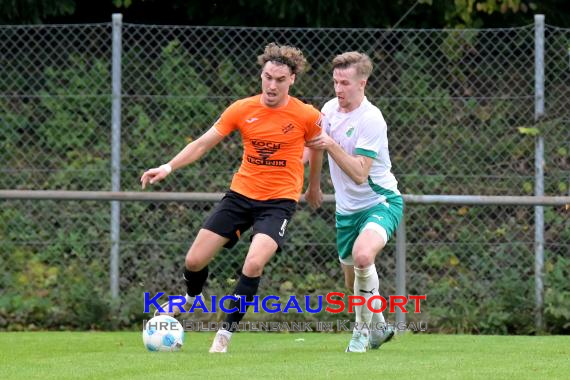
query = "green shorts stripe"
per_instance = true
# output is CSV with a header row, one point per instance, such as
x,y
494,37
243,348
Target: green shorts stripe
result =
x,y
388,215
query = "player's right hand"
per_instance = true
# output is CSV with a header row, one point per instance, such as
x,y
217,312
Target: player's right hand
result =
x,y
314,196
153,175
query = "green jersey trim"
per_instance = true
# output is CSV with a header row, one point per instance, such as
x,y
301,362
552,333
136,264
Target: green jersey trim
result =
x,y
365,152
380,190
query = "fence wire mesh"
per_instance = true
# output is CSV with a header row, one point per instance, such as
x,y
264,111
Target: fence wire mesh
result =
x,y
460,109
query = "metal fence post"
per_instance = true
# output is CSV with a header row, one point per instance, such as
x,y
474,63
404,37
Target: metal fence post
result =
x,y
116,154
401,266
539,171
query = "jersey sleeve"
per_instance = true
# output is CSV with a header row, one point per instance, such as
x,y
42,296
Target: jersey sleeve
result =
x,y
314,123
228,121
325,113
372,134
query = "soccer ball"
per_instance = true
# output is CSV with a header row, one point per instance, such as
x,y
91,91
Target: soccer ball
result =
x,y
163,333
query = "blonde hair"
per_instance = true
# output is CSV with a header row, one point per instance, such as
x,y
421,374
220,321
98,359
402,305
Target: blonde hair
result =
x,y
361,62
285,55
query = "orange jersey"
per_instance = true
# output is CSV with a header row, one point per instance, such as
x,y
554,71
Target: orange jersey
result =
x,y
273,139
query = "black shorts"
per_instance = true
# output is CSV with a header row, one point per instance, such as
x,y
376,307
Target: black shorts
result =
x,y
236,213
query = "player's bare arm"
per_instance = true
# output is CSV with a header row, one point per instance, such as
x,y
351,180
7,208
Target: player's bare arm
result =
x,y
192,152
356,167
313,194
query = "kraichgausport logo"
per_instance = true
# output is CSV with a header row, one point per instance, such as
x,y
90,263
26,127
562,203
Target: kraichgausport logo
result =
x,y
332,302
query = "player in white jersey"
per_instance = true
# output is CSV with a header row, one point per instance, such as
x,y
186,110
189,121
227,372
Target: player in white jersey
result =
x,y
369,206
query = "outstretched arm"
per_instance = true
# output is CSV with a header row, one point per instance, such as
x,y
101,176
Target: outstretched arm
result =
x,y
188,155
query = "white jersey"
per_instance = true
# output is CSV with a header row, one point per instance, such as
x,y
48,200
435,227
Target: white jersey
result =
x,y
363,132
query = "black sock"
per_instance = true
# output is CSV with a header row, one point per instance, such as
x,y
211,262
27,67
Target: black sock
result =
x,y
246,286
195,281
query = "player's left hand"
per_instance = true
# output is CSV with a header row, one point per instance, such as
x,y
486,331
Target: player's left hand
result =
x,y
322,142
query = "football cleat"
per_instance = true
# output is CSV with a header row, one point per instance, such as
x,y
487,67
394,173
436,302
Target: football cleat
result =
x,y
176,310
221,342
379,337
358,342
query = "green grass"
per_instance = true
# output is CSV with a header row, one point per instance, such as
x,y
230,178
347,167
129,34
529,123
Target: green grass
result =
x,y
121,355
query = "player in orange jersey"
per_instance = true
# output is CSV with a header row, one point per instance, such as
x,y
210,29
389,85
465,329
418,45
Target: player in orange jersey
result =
x,y
264,192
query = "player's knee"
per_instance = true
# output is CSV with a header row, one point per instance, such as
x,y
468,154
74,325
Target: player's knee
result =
x,y
193,264
362,258
253,267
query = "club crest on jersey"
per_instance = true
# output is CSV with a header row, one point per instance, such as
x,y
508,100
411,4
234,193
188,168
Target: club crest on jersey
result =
x,y
288,128
265,149
350,130
320,121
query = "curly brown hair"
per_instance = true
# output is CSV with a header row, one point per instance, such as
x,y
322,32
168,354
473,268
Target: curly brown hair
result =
x,y
361,62
285,55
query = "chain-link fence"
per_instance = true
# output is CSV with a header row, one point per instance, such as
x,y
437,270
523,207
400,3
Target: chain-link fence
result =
x,y
460,107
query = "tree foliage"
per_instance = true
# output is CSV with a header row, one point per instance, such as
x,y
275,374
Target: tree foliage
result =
x,y
34,11
297,13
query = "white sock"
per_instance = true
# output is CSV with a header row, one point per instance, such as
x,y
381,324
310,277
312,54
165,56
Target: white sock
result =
x,y
365,284
378,321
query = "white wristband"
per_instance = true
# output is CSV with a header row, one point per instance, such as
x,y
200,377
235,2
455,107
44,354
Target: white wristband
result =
x,y
167,168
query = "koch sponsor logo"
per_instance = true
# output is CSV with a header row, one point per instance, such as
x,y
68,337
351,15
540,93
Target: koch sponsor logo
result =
x,y
265,149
